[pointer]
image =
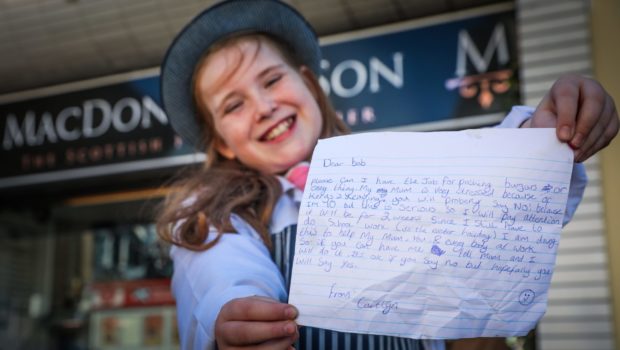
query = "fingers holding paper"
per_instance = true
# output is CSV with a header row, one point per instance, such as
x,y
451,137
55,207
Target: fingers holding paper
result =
x,y
582,112
256,322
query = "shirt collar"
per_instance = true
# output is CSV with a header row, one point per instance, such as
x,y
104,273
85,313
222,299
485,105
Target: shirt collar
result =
x,y
290,190
286,209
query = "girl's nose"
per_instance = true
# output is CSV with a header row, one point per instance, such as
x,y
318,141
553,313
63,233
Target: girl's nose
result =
x,y
265,106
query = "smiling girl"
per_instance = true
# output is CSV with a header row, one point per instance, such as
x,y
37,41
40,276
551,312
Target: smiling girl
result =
x,y
240,83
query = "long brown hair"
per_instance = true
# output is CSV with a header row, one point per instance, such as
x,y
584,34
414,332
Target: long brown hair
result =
x,y
206,198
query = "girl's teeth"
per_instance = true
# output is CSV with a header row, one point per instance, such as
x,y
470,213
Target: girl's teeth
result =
x,y
279,130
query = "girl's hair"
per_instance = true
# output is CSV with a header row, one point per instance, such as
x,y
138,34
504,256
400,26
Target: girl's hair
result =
x,y
205,199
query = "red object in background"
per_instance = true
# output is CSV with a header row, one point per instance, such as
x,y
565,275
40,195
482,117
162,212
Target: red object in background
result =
x,y
123,294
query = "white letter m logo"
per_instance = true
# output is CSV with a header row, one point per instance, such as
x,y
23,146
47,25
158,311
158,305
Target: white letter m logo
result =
x,y
467,48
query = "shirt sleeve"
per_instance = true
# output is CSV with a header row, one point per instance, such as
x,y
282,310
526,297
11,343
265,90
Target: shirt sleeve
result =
x,y
578,181
239,265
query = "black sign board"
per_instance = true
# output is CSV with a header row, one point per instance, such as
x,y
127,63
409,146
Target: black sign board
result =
x,y
439,73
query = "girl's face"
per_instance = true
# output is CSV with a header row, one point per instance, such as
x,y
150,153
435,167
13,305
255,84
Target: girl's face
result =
x,y
263,110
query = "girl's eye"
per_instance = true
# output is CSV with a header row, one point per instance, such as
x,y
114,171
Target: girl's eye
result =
x,y
273,80
232,107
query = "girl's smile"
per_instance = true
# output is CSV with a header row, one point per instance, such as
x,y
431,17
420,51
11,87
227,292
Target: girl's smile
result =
x,y
280,130
263,110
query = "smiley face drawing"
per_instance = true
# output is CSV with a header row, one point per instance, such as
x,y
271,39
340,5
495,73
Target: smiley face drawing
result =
x,y
526,297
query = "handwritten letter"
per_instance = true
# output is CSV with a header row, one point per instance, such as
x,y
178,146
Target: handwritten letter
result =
x,y
431,235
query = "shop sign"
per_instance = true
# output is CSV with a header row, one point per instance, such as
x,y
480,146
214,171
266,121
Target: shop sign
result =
x,y
110,129
429,73
437,73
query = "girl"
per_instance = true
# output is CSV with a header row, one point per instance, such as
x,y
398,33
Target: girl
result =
x,y
240,82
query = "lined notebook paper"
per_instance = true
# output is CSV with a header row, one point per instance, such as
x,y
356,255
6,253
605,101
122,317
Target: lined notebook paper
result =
x,y
431,235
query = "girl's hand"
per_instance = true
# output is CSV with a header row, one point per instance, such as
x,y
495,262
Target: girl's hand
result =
x,y
256,322
582,113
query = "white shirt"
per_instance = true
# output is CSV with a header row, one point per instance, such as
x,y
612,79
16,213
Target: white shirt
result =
x,y
240,265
